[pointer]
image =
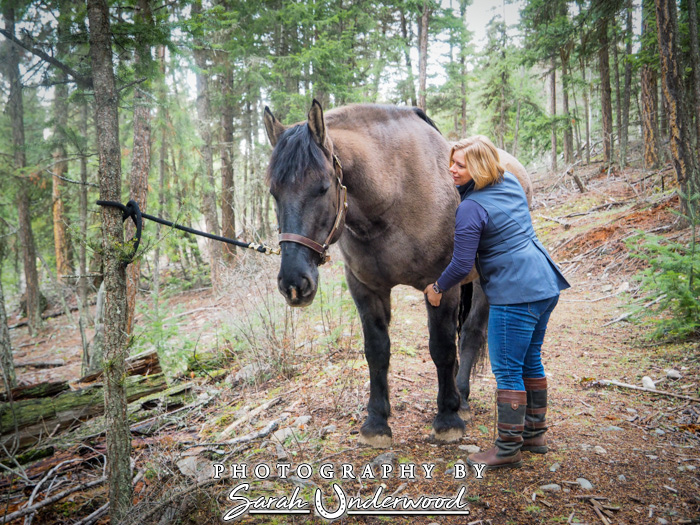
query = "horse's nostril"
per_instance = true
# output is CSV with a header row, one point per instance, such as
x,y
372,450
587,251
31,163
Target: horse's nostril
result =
x,y
306,287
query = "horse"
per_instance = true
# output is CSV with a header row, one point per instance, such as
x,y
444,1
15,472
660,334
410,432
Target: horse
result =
x,y
374,180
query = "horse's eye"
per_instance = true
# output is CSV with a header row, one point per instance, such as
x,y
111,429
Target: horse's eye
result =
x,y
323,189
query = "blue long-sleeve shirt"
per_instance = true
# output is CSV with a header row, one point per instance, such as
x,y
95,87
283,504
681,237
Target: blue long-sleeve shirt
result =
x,y
470,220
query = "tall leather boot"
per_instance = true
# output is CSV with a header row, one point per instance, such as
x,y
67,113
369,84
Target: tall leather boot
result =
x,y
535,422
511,421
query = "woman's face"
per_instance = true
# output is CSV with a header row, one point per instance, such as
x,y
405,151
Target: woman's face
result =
x,y
459,169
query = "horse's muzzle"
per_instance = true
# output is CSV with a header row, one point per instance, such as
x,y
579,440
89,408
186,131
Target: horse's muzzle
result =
x,y
299,290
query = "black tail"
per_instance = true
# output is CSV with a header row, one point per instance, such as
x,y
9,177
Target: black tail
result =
x,y
421,114
465,305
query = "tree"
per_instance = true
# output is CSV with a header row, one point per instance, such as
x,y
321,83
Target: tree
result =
x,y
625,107
684,163
15,108
201,56
423,28
141,155
649,80
60,226
605,90
115,350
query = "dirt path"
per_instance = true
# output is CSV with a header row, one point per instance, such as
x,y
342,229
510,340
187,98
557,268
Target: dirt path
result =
x,y
639,451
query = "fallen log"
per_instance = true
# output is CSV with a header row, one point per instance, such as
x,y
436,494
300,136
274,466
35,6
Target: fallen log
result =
x,y
146,363
28,420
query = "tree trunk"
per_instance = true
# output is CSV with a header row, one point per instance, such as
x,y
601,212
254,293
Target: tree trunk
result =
x,y
15,108
628,85
228,217
553,110
568,132
115,350
605,91
407,57
60,229
695,60
8,366
209,184
423,53
141,154
586,108
616,77
162,162
650,100
672,83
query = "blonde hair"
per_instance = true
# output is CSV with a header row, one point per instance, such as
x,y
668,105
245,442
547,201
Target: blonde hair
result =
x,y
481,160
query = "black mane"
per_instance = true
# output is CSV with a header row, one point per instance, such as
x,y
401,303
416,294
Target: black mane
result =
x,y
295,155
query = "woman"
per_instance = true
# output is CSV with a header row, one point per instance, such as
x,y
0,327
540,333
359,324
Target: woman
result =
x,y
522,283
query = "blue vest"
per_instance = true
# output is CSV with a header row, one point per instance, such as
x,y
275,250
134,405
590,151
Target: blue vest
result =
x,y
513,265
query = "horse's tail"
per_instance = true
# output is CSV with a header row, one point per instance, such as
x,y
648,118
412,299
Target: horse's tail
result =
x,y
421,114
465,305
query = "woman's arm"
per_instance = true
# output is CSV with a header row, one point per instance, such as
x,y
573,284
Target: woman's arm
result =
x,y
470,221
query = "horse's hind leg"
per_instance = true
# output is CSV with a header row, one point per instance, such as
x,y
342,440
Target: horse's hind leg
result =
x,y
471,343
442,323
375,313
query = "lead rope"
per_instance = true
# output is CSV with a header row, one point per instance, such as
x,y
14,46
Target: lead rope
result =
x,y
132,210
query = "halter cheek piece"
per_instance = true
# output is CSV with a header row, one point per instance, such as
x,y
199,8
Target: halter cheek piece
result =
x,y
337,230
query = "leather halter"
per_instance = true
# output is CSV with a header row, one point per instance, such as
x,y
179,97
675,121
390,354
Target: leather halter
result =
x,y
336,231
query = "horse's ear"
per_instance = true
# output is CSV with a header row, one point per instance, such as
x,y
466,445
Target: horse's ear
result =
x,y
273,126
317,124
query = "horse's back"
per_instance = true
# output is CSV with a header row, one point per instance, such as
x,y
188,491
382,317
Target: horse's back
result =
x,y
513,165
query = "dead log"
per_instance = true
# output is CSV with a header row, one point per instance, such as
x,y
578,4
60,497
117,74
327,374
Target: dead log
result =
x,y
146,363
30,420
47,389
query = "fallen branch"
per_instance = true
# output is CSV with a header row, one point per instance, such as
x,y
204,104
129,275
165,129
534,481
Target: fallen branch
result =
x,y
48,501
229,429
607,382
269,429
625,316
41,364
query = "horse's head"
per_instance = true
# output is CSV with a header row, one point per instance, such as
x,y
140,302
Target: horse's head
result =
x,y
306,181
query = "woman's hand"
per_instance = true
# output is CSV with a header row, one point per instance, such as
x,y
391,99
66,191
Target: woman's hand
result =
x,y
433,297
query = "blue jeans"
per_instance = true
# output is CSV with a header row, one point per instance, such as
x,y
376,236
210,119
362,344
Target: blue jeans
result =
x,y
515,336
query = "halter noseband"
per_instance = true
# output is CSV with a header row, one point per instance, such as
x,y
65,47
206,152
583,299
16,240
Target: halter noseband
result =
x,y
334,235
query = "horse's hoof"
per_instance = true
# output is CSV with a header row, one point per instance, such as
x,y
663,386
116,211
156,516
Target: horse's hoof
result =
x,y
450,435
376,441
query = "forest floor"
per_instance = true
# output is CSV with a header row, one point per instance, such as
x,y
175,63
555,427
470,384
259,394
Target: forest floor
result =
x,y
635,453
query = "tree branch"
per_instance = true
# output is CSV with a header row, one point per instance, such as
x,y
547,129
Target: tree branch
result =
x,y
82,80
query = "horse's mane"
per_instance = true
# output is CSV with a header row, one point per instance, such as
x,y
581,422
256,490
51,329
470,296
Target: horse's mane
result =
x,y
295,155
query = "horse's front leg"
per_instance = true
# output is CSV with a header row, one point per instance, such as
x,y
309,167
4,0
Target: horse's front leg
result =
x,y
374,308
472,340
448,427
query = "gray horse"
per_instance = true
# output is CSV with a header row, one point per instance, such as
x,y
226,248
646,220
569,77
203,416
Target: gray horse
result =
x,y
374,179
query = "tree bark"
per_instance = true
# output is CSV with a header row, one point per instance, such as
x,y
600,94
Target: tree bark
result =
x,y
605,91
616,77
15,108
627,85
141,154
568,132
209,183
650,100
115,350
423,53
228,217
586,108
413,101
553,110
9,379
162,167
672,84
60,229
695,60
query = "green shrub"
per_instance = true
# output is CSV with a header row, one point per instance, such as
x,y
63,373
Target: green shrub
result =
x,y
671,282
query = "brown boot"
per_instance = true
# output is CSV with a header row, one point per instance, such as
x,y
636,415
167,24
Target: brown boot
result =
x,y
535,422
511,422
